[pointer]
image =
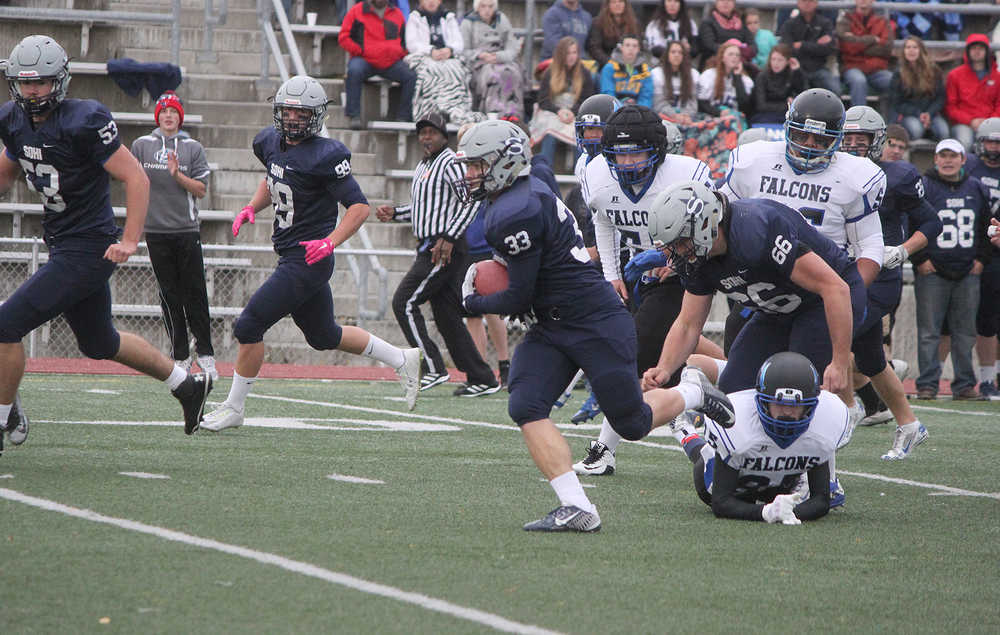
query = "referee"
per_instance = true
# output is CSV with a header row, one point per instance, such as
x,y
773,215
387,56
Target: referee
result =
x,y
439,223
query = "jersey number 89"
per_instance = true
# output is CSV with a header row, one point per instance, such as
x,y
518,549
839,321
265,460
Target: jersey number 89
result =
x,y
281,198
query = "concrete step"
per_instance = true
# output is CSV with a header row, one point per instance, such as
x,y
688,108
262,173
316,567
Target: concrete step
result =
x,y
192,39
194,16
226,181
226,62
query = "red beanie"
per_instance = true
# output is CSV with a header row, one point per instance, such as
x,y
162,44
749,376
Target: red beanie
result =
x,y
169,99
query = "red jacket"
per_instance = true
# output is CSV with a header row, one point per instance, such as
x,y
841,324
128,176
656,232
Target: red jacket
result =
x,y
868,58
969,97
378,40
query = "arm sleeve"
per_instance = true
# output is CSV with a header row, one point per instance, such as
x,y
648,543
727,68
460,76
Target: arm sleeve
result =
x,y
418,40
935,106
460,216
511,47
403,213
595,45
921,215
955,114
822,50
742,92
521,238
469,52
199,169
983,247
99,134
608,79
707,37
864,227
724,503
342,187
544,100
344,37
646,92
818,503
731,186
453,35
607,245
552,27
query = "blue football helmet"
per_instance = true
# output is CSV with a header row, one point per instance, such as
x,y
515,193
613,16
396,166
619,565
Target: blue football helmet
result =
x,y
787,379
594,113
814,128
634,130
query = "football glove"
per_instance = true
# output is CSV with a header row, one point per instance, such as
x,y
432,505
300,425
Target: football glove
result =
x,y
522,321
469,284
643,261
782,509
246,215
894,257
317,250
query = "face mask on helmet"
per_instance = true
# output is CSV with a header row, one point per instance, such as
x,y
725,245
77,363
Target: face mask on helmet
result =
x,y
988,140
590,145
632,164
37,59
858,147
688,252
470,188
298,122
809,147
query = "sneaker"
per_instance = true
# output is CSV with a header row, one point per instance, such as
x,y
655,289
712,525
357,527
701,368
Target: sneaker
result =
x,y
926,394
882,415
567,518
854,417
503,369
587,411
599,461
714,403
900,367
192,394
429,380
837,495
563,398
17,423
476,390
184,364
207,365
409,375
683,424
988,390
225,416
967,394
905,441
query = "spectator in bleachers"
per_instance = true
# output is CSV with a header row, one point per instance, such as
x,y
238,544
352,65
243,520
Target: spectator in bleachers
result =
x,y
434,41
811,37
947,272
178,176
764,39
725,87
372,33
626,76
776,85
930,26
615,19
916,92
865,40
671,22
897,143
973,90
675,86
725,23
565,18
564,86
491,50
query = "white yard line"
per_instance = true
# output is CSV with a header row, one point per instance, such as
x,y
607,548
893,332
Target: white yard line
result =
x,y
942,489
144,475
971,413
295,566
344,478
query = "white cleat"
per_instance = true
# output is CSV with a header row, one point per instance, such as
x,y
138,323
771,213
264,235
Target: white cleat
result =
x,y
874,419
225,416
409,375
907,438
854,417
900,367
599,460
16,425
207,365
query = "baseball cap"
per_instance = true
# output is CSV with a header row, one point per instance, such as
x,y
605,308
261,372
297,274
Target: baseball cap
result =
x,y
950,144
434,119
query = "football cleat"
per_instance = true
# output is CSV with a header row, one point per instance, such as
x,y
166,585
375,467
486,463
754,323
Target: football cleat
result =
x,y
882,415
225,416
837,495
684,424
900,367
567,518
429,380
588,410
989,391
599,461
207,365
714,403
476,390
17,423
854,416
409,375
905,441
184,364
192,394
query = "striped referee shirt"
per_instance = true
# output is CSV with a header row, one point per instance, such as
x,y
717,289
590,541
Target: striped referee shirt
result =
x,y
434,210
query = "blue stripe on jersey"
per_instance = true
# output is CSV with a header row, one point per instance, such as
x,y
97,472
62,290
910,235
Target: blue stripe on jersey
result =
x,y
868,210
865,186
723,436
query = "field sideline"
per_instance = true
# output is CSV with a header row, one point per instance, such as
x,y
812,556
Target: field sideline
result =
x,y
397,522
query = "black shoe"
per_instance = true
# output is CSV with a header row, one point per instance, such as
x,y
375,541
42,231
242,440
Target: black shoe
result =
x,y
715,404
192,393
475,390
17,423
567,518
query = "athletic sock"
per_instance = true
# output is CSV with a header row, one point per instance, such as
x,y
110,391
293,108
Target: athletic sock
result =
x,y
608,436
176,378
4,414
691,393
692,445
570,492
239,390
384,352
869,398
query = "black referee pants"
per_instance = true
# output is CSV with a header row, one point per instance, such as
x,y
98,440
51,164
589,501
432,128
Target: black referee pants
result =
x,y
442,287
180,272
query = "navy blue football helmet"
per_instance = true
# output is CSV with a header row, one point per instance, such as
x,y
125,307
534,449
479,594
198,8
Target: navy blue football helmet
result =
x,y
814,128
594,113
633,130
787,379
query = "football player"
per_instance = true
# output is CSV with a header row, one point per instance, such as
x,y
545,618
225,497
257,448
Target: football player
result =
x,y
864,136
581,323
67,148
637,166
308,176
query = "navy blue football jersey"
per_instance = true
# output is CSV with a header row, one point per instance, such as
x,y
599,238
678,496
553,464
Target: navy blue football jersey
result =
x,y
306,182
904,209
990,177
764,239
964,209
534,231
63,160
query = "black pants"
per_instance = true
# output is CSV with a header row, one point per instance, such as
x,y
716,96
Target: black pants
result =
x,y
180,272
442,287
660,306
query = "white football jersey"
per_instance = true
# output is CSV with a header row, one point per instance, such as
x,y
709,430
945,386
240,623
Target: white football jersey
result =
x,y
841,202
762,464
580,169
618,208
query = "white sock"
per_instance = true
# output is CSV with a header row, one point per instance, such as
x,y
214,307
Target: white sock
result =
x,y
833,467
720,364
570,492
176,378
692,394
910,427
239,390
4,413
608,436
384,352
986,373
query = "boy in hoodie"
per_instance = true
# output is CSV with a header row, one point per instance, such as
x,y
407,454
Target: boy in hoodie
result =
x,y
627,75
973,90
565,17
178,176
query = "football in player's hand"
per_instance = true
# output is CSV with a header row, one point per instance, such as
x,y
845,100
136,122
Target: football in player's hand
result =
x,y
491,277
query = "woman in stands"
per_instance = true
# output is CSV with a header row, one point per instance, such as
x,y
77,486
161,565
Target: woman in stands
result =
x,y
671,23
725,23
434,41
780,81
725,89
564,86
615,19
917,93
491,51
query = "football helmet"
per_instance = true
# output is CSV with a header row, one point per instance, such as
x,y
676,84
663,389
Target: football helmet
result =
x,y
38,57
813,130
787,379
989,130
675,138
504,152
684,222
631,130
867,120
303,93
594,113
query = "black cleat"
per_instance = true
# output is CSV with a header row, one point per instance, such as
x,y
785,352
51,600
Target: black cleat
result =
x,y
714,403
17,423
192,393
567,518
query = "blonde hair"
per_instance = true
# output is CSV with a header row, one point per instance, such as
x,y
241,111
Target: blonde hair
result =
x,y
720,70
562,78
922,76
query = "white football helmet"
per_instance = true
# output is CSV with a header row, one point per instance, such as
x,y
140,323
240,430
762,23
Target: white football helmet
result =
x,y
684,222
867,120
304,93
503,152
38,57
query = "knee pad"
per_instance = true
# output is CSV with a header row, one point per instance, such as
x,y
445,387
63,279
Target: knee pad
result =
x,y
246,330
620,398
103,346
325,340
869,356
525,406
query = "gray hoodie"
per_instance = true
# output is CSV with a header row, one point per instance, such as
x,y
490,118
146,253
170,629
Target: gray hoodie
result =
x,y
172,209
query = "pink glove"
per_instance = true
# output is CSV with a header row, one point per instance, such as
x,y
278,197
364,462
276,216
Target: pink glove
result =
x,y
246,215
317,250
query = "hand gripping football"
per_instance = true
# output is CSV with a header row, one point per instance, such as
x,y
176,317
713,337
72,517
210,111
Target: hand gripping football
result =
x,y
491,277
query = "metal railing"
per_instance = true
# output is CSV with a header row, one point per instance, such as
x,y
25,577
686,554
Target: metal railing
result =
x,y
269,47
212,20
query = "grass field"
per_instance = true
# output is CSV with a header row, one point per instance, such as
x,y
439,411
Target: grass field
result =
x,y
334,510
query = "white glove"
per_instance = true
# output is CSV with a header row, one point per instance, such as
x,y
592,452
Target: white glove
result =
x,y
782,510
894,256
